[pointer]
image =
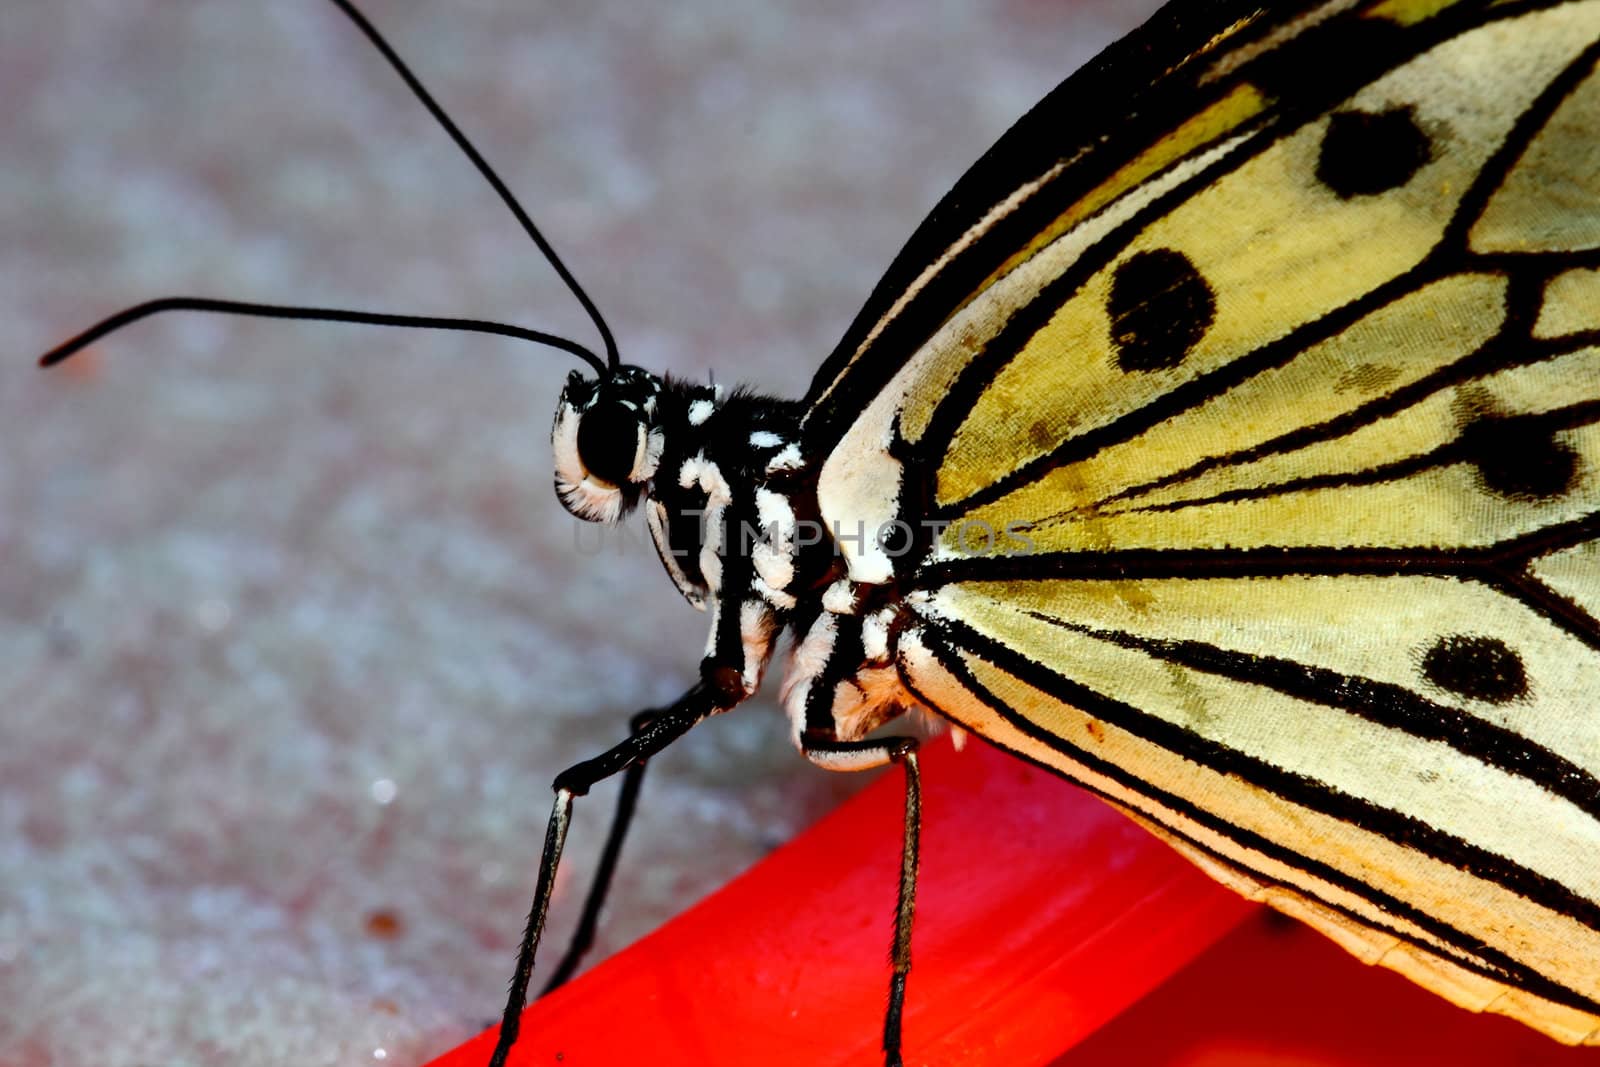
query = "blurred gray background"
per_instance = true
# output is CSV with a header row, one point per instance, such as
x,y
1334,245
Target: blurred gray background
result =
x,y
293,633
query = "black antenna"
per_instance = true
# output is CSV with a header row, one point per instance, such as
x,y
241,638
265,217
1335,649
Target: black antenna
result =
x,y
487,171
279,311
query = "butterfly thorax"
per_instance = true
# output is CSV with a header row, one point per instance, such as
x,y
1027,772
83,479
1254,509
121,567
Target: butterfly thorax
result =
x,y
728,500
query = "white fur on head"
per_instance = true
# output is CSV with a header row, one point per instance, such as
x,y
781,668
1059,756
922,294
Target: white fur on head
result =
x,y
582,492
586,497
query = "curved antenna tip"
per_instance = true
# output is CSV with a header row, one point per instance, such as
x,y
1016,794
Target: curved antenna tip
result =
x,y
127,316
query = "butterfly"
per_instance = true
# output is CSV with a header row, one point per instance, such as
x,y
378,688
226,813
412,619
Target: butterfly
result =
x,y
1227,451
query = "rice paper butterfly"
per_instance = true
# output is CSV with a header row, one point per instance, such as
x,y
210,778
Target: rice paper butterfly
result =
x,y
1223,441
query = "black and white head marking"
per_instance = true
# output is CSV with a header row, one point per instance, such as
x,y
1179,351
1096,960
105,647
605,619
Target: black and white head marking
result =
x,y
607,442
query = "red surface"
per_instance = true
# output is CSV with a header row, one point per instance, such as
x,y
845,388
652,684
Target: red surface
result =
x,y
1042,914
1276,994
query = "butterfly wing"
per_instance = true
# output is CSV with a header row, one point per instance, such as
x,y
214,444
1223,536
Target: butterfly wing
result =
x,y
1257,483
1028,184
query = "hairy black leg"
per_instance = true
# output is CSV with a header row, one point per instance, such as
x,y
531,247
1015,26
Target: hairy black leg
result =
x,y
627,801
861,755
554,838
657,733
905,907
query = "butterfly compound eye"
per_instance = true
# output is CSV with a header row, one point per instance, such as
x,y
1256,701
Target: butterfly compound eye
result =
x,y
611,441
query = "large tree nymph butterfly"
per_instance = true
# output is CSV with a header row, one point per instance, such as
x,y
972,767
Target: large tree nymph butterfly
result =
x,y
1231,455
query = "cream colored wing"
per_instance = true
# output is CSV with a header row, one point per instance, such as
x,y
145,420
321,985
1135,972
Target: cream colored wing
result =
x,y
1260,491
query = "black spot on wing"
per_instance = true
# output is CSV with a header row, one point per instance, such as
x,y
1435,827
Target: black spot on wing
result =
x,y
1160,308
1483,668
1366,153
1519,458
1475,955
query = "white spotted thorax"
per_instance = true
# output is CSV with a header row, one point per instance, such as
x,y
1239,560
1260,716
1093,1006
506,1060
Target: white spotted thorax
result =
x,y
732,509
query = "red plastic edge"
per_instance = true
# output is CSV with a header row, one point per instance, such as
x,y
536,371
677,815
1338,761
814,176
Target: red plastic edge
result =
x,y
1042,913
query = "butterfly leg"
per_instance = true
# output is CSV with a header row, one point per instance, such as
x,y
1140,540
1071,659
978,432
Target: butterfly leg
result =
x,y
621,819
864,755
655,732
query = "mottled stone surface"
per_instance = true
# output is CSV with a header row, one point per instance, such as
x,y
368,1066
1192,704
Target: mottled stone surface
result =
x,y
293,634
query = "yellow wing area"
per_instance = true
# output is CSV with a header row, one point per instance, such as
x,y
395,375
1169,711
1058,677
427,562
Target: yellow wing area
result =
x,y
1286,466
1444,916
1423,476
1279,250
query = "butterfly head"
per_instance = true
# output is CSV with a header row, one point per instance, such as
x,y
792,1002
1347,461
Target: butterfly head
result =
x,y
607,441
